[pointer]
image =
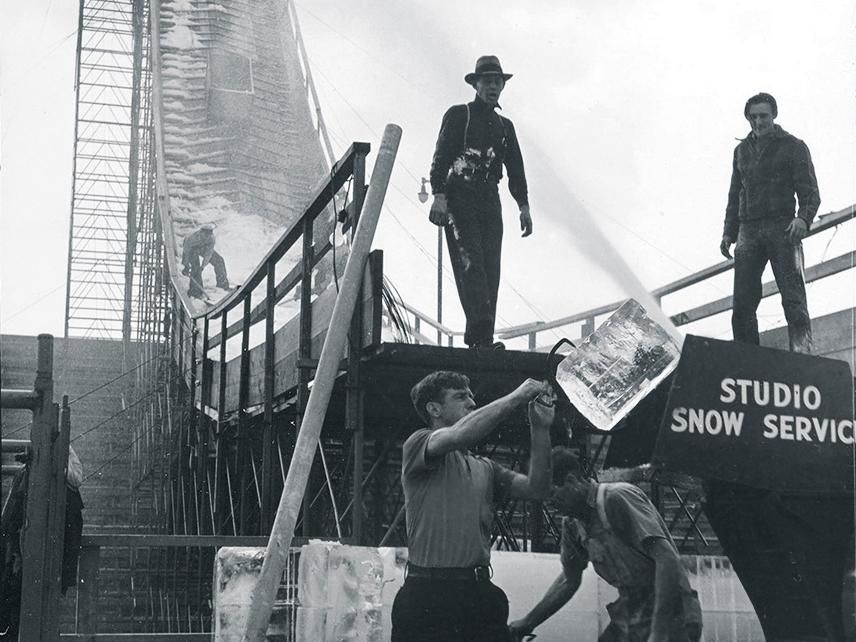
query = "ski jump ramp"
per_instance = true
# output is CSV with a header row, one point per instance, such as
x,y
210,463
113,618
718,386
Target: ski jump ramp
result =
x,y
238,143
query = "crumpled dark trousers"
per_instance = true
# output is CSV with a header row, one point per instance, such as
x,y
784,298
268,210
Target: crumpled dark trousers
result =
x,y
193,264
474,238
757,243
428,610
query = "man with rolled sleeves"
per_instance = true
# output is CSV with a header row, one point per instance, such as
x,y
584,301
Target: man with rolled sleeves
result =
x,y
473,145
450,496
769,167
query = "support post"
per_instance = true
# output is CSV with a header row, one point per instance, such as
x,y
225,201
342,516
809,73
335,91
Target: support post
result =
x,y
268,442
87,590
202,434
220,458
439,285
276,555
192,434
243,436
36,569
353,389
304,349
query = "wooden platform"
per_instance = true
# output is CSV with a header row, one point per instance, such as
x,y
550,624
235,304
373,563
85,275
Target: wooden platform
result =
x,y
392,369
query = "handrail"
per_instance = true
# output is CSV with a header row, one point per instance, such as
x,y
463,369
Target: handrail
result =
x,y
338,175
434,324
822,224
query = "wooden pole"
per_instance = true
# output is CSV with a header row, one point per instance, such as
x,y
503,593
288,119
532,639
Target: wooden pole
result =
x,y
276,555
35,623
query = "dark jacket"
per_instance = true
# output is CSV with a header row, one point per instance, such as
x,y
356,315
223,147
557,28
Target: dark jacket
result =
x,y
765,176
473,144
196,244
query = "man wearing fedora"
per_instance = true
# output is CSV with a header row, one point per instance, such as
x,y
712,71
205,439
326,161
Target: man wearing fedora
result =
x,y
473,145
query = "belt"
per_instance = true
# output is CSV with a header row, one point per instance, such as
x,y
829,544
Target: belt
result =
x,y
457,574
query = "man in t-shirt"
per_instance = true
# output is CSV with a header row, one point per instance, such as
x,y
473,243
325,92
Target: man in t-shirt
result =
x,y
450,496
616,528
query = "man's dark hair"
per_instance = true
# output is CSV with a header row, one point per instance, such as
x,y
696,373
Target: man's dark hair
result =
x,y
432,386
761,98
565,461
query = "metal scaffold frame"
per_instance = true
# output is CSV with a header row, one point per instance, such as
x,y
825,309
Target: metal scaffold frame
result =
x,y
112,233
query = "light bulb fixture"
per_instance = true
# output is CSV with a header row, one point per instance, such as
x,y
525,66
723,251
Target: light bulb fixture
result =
x,y
423,193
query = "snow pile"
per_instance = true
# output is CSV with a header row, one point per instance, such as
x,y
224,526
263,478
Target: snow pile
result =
x,y
181,35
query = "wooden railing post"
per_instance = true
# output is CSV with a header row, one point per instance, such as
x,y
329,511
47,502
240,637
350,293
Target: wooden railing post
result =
x,y
40,583
244,467
268,440
207,523
87,590
221,487
353,389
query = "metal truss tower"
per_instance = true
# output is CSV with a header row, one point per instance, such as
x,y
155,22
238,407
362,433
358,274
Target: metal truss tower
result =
x,y
114,252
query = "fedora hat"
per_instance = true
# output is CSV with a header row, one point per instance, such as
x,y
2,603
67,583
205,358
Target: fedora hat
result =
x,y
486,65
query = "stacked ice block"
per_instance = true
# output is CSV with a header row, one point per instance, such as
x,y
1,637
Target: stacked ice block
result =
x,y
341,593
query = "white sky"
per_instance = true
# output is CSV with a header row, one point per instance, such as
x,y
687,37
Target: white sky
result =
x,y
634,105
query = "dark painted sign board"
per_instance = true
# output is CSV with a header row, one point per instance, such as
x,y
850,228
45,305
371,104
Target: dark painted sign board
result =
x,y
761,417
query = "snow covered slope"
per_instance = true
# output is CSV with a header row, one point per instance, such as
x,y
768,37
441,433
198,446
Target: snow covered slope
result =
x,y
238,144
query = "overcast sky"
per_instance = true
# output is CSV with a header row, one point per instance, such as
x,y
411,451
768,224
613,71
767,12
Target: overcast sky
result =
x,y
627,113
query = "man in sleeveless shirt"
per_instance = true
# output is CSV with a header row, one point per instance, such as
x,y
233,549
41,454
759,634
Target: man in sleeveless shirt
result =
x,y
473,145
450,495
616,528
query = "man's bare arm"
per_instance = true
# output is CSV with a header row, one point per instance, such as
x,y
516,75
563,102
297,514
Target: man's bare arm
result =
x,y
477,425
536,484
560,593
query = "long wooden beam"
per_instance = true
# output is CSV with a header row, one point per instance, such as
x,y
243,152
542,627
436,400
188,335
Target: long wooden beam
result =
x,y
328,365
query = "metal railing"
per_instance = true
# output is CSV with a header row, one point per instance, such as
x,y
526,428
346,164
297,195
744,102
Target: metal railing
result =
x,y
170,585
587,318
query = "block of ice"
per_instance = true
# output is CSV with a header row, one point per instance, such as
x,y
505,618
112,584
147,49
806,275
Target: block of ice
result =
x,y
311,622
312,574
617,365
354,590
236,572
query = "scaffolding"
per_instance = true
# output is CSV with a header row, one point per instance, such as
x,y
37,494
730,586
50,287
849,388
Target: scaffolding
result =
x,y
113,236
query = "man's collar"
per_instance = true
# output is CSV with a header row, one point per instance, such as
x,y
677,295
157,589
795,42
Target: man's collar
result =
x,y
478,103
777,132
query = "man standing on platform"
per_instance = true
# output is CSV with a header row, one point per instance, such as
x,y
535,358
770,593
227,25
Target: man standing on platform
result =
x,y
769,167
473,144
450,495
617,528
197,252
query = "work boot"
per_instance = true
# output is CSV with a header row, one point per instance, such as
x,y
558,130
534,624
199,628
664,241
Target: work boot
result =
x,y
489,344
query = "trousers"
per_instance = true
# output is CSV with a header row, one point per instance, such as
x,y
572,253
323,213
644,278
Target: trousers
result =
x,y
427,610
474,238
760,242
194,265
